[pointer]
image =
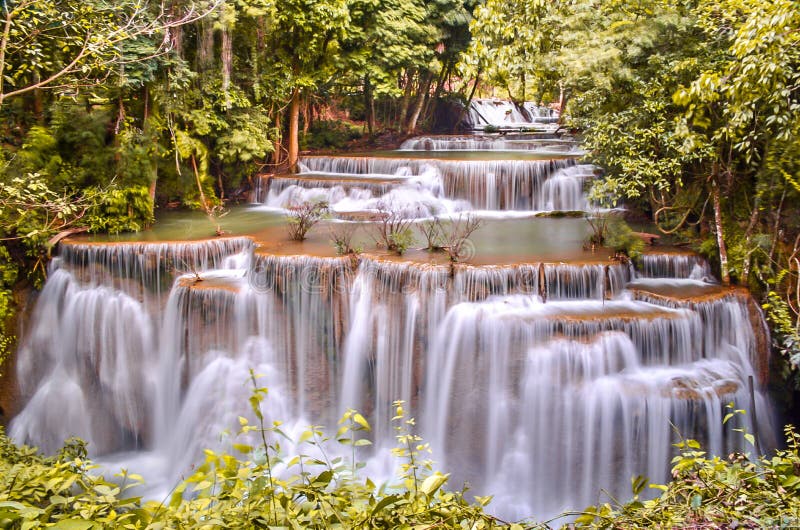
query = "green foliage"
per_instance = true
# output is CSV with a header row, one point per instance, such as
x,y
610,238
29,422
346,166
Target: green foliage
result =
x,y
786,335
713,492
248,137
8,277
121,210
401,240
621,239
227,491
326,134
62,491
302,217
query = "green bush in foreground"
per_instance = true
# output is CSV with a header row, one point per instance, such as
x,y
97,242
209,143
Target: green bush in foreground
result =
x,y
326,493
712,492
230,492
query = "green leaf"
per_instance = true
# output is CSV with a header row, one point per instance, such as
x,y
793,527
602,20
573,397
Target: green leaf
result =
x,y
433,483
359,419
384,502
73,524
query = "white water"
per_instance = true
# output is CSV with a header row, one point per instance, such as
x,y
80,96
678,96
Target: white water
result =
x,y
490,143
424,188
540,383
505,115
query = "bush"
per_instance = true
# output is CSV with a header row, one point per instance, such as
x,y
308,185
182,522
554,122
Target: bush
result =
x,y
227,491
302,217
342,238
325,134
713,492
393,229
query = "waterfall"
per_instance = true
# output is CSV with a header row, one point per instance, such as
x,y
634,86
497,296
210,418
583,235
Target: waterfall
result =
x,y
539,381
489,143
485,184
507,115
672,265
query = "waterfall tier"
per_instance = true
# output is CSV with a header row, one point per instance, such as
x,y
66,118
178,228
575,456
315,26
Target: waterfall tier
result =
x,y
503,114
427,187
539,381
525,352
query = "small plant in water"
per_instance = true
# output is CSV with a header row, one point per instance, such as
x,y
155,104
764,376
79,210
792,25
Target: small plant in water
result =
x,y
302,217
342,235
393,229
456,236
431,231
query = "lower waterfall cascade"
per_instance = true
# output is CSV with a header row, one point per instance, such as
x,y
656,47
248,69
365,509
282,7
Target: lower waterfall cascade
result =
x,y
538,380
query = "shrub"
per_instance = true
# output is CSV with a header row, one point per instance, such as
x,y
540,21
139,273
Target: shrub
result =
x,y
302,217
393,229
456,236
713,492
342,238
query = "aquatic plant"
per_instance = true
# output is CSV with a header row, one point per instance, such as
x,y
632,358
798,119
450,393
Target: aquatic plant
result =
x,y
302,217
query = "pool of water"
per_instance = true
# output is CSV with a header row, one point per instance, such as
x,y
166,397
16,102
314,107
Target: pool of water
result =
x,y
499,241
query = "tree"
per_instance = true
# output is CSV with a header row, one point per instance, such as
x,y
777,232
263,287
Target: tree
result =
x,y
305,37
72,44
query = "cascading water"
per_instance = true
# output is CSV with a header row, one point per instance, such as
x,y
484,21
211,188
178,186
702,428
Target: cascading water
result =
x,y
539,381
489,143
428,187
504,114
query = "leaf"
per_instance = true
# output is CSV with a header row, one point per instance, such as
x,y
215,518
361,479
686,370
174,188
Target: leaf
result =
x,y
73,524
384,502
203,485
433,483
697,500
359,419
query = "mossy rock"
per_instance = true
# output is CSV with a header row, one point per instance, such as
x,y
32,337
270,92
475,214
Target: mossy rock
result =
x,y
560,214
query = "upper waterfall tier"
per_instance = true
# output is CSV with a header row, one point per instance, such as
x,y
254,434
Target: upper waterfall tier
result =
x,y
503,114
427,187
491,143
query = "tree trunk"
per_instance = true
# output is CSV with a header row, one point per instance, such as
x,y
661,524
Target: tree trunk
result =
x,y
294,120
227,64
469,101
276,153
306,115
748,234
401,119
723,250
369,105
153,160
205,45
424,86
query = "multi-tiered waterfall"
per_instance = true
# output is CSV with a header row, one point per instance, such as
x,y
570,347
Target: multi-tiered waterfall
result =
x,y
540,375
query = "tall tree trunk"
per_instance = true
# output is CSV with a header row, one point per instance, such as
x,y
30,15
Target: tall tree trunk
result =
x,y
205,45
294,120
424,87
469,101
277,147
306,106
369,105
748,234
153,160
406,102
226,58
723,250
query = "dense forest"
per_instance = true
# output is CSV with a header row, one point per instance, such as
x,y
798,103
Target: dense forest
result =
x,y
113,111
